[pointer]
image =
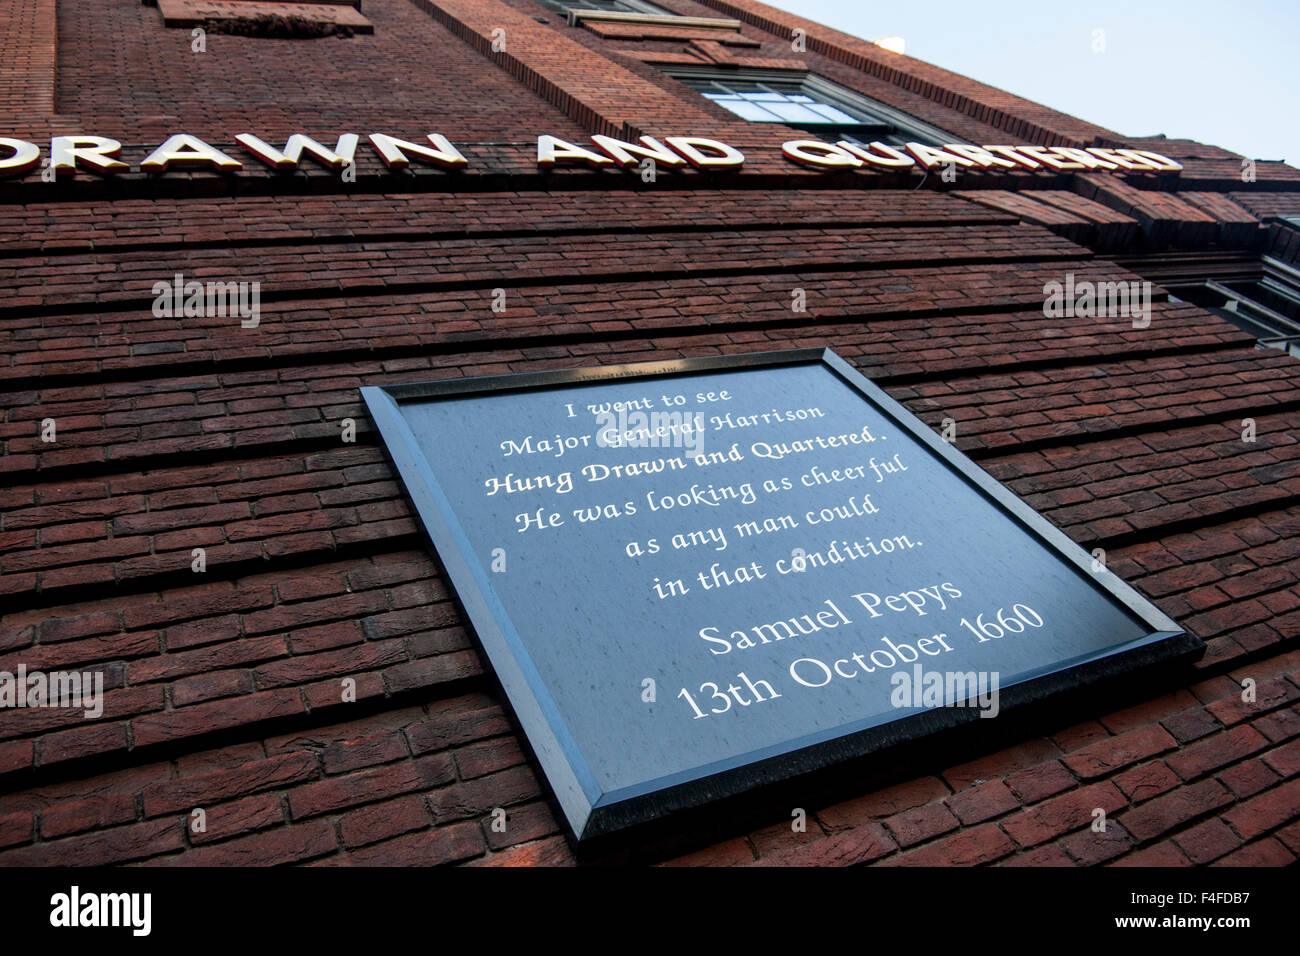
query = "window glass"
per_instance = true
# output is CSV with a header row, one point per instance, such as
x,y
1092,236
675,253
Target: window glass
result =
x,y
605,6
1268,307
814,104
743,108
796,113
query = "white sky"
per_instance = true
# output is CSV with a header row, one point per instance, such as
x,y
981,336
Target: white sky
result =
x,y
1219,73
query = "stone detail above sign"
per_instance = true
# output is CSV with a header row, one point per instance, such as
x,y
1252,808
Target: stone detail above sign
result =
x,y
286,18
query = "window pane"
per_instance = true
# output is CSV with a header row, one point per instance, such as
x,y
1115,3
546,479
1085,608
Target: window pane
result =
x,y
743,108
608,6
796,113
832,114
805,102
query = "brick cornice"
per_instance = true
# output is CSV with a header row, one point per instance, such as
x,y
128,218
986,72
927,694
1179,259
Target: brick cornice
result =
x,y
592,89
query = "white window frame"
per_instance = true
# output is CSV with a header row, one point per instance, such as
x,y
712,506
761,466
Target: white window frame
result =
x,y
827,91
638,8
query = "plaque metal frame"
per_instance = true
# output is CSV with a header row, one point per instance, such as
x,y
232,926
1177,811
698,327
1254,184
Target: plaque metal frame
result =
x,y
589,811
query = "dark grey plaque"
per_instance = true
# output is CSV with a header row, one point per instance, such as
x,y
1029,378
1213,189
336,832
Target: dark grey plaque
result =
x,y
802,569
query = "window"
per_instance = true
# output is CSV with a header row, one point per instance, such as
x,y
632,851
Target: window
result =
x,y
1266,306
604,6
271,20
810,103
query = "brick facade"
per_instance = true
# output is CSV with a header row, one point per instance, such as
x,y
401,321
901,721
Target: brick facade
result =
x,y
179,433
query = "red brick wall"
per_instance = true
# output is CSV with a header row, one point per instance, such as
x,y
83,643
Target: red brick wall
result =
x,y
121,74
27,49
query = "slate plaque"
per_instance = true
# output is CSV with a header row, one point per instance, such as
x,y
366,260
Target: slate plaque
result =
x,y
696,576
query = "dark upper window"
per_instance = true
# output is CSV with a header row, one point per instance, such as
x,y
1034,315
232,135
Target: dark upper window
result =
x,y
811,103
604,6
1265,305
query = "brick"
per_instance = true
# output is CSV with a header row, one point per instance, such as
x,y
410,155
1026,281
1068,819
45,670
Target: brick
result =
x,y
1191,724
1063,814
1279,725
489,756
364,786
353,754
96,740
347,662
1140,715
1268,695
432,671
982,802
727,853
553,851
201,687
237,818
522,824
1265,811
1290,837
275,847
449,844
1010,761
1114,753
1147,781
844,848
1049,854
455,727
1207,841
90,814
1173,809
921,823
1248,778
15,755
115,845
1217,751
330,694
1162,855
478,797
308,640
1091,848
1080,735
216,715
1266,852
883,803
185,793
1038,783
782,836
381,821
16,827
982,844
1285,760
